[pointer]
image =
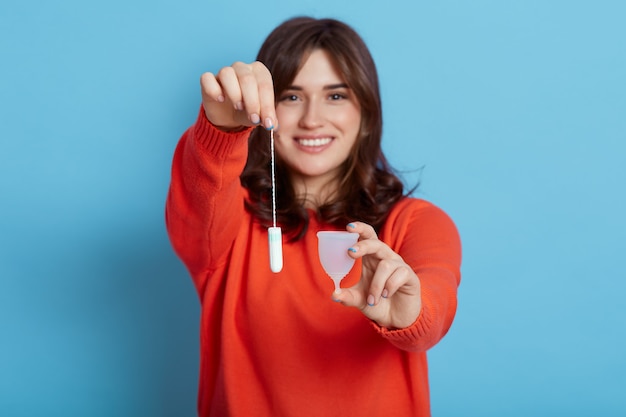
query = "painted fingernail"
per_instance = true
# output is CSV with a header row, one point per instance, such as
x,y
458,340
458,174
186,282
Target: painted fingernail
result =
x,y
254,118
370,300
351,225
269,125
385,293
239,105
220,98
353,250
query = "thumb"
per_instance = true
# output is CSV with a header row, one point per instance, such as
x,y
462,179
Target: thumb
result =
x,y
350,297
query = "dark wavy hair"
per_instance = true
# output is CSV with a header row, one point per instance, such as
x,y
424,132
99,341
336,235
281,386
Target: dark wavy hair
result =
x,y
368,187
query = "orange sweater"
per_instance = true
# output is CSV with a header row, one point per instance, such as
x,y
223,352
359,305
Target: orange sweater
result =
x,y
276,345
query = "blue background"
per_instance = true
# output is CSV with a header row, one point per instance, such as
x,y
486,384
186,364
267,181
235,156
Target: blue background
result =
x,y
514,110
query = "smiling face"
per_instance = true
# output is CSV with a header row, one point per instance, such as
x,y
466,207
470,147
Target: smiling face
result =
x,y
319,119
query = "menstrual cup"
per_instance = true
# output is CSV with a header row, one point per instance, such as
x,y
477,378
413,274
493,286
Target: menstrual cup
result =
x,y
333,252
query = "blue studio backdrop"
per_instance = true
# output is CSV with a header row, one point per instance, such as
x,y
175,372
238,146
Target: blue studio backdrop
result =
x,y
512,115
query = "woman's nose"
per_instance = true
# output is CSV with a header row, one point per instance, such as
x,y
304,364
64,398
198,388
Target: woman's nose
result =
x,y
312,116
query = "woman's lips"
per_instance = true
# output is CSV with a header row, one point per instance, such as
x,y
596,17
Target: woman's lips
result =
x,y
313,145
314,142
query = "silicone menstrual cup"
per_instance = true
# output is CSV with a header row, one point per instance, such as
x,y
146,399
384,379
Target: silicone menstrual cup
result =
x,y
333,252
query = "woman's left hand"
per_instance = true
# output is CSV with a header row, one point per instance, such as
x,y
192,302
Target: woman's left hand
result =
x,y
389,290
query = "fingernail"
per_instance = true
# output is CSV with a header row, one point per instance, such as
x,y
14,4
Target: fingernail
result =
x,y
385,293
239,105
351,225
269,125
220,99
254,118
370,300
353,250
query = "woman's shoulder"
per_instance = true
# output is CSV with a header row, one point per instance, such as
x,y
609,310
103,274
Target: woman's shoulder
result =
x,y
412,213
417,224
415,206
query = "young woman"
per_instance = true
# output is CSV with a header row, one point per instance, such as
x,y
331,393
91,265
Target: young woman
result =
x,y
284,344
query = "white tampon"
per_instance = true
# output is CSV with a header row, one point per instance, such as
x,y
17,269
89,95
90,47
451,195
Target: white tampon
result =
x,y
276,249
275,237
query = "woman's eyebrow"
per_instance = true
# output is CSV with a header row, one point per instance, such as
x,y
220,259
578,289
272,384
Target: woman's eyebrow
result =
x,y
336,86
326,87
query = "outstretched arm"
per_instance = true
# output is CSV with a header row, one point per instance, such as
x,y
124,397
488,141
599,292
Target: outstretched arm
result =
x,y
205,203
409,283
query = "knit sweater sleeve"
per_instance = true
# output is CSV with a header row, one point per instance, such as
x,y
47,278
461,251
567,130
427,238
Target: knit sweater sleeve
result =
x,y
205,201
428,240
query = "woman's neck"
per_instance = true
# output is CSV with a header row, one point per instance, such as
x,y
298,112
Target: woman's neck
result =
x,y
314,192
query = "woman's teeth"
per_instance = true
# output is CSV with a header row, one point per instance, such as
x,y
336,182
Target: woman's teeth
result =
x,y
314,142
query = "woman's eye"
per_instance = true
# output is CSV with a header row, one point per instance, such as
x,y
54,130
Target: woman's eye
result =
x,y
337,96
289,97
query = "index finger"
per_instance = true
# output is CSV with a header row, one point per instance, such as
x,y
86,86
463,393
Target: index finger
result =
x,y
364,230
368,243
258,93
267,101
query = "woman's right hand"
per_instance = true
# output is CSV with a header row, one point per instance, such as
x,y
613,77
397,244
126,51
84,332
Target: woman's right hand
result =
x,y
239,95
